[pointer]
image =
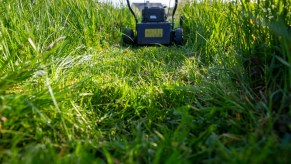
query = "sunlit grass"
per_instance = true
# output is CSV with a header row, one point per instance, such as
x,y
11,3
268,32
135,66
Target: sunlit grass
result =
x,y
70,92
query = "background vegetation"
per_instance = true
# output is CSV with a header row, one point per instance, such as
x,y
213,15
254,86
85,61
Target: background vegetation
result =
x,y
70,92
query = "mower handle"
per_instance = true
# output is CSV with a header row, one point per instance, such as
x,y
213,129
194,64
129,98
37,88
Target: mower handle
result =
x,y
132,12
128,4
174,11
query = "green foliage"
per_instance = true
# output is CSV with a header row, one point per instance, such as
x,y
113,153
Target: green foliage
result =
x,y
70,93
266,32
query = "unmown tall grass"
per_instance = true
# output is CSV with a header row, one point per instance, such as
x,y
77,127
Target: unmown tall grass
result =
x,y
69,92
257,35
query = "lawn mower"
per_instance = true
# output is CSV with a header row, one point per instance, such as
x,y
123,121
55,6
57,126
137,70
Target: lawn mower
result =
x,y
153,29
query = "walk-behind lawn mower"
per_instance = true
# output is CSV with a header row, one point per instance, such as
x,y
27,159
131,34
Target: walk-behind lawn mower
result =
x,y
154,29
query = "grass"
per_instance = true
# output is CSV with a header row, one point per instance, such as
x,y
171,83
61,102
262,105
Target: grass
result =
x,y
70,92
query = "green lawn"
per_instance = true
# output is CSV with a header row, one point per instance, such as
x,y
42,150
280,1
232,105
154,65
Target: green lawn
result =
x,y
71,92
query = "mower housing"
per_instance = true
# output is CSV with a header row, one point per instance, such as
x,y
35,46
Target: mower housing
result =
x,y
153,28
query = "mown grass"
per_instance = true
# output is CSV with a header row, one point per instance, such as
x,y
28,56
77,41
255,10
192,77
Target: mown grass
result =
x,y
71,93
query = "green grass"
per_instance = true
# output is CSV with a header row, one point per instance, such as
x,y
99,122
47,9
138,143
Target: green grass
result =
x,y
70,92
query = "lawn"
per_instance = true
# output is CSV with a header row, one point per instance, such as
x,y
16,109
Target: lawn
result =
x,y
72,92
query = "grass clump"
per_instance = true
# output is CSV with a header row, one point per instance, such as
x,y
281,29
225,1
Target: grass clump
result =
x,y
69,92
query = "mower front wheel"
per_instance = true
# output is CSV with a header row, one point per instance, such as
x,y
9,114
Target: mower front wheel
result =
x,y
178,37
128,36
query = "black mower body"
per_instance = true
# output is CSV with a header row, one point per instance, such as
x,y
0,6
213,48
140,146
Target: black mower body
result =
x,y
153,28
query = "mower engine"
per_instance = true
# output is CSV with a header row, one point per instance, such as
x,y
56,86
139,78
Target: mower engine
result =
x,y
153,14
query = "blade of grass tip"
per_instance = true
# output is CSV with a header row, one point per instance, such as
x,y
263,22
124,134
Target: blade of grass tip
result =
x,y
57,107
77,110
32,44
52,96
283,61
39,112
54,43
108,156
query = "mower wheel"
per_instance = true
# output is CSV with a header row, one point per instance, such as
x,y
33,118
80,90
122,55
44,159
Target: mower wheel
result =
x,y
178,38
128,36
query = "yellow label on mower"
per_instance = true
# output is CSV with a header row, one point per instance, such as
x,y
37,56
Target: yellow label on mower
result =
x,y
154,33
